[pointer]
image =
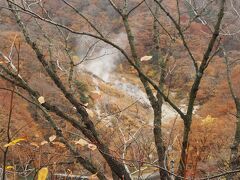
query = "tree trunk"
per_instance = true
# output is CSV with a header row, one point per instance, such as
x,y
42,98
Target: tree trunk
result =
x,y
159,141
161,66
234,157
114,164
182,163
156,103
156,37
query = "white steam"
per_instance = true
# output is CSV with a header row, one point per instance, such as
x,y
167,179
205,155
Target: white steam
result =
x,y
132,90
102,60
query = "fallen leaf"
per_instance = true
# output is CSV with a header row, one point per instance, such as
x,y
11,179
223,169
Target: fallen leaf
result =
x,y
52,138
14,142
209,120
146,58
41,100
81,142
43,142
42,173
9,167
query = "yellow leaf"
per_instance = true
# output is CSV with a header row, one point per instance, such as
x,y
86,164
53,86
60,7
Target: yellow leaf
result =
x,y
41,100
14,142
209,120
92,147
9,167
81,142
42,173
146,58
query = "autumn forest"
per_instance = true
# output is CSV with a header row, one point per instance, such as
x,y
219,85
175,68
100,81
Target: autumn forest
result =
x,y
119,89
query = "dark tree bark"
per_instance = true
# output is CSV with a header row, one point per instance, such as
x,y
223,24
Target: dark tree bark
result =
x,y
157,108
87,127
195,87
115,165
234,155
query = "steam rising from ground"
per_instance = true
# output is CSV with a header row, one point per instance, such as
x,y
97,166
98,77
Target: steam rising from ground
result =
x,y
104,67
132,90
102,59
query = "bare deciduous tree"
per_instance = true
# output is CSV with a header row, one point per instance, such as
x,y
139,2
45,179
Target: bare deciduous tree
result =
x,y
155,89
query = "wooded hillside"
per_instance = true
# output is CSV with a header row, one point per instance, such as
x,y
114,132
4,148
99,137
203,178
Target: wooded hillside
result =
x,y
138,89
